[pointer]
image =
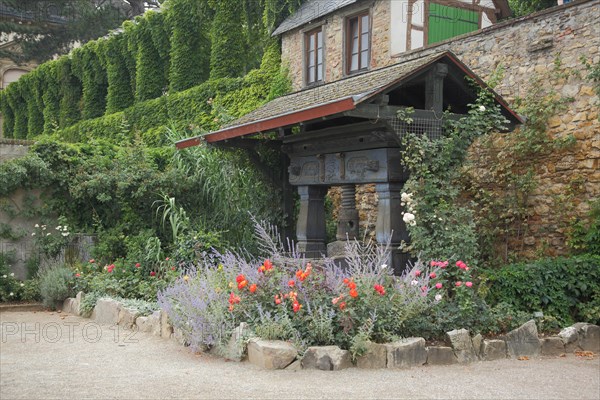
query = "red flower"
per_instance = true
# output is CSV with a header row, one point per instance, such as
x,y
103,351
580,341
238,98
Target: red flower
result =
x,y
353,293
296,306
458,284
352,285
379,289
77,275
110,268
417,273
233,299
438,285
346,281
468,284
172,268
253,288
461,264
299,273
240,278
92,261
291,283
152,273
242,284
277,299
137,265
268,264
342,305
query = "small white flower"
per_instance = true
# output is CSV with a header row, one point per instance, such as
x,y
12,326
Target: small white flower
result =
x,y
4,276
408,218
43,227
48,234
65,228
12,274
58,228
11,294
438,297
22,284
406,197
482,108
383,266
414,282
65,234
37,225
32,233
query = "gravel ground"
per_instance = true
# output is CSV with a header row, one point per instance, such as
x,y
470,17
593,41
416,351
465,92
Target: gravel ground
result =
x,y
47,355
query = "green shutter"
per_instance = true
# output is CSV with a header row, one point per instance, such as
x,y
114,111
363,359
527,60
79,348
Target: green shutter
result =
x,y
446,22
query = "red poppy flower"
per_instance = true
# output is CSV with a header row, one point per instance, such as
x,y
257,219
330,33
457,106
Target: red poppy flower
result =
x,y
268,264
152,273
353,293
253,288
242,284
291,283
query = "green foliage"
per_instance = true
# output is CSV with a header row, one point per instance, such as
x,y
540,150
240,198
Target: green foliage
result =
x,y
51,96
87,66
150,79
114,55
584,235
565,288
56,284
228,46
435,211
70,92
525,7
190,44
8,116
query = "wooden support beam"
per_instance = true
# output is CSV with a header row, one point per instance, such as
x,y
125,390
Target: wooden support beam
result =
x,y
434,88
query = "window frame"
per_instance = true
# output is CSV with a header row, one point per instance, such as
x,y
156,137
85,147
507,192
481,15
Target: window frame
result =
x,y
358,17
312,36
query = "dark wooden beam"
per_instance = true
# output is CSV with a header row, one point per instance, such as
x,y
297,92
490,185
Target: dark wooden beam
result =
x,y
434,88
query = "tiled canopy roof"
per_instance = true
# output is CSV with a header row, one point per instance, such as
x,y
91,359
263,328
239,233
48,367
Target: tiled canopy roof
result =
x,y
329,99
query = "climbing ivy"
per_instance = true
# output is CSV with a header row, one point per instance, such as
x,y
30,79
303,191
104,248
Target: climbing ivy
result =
x,y
190,43
70,92
86,65
150,81
228,45
113,54
50,96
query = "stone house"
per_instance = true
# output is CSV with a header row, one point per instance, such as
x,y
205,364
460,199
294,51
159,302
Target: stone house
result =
x,y
327,40
356,62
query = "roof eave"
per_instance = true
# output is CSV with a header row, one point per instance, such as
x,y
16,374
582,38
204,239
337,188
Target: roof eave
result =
x,y
268,124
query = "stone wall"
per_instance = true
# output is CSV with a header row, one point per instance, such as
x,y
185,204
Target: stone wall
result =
x,y
524,47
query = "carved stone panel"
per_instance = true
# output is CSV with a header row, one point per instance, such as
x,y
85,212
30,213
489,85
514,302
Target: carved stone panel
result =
x,y
355,167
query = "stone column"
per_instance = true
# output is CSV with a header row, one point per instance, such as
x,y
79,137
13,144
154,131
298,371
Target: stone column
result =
x,y
310,230
390,226
347,226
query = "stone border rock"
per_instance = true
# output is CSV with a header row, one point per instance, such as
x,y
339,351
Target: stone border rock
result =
x,y
461,347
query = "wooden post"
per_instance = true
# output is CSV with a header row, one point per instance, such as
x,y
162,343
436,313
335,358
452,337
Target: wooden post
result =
x,y
390,226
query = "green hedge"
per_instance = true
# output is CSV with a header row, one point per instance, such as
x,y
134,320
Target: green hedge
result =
x,y
565,288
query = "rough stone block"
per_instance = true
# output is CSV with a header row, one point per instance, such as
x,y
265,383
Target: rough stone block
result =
x,y
127,317
523,341
570,339
406,353
236,347
552,346
295,366
326,358
441,355
493,350
477,341
166,329
69,305
106,311
271,354
375,357
589,338
77,304
461,343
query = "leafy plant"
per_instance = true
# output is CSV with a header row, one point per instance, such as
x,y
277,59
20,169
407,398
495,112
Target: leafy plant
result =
x,y
56,284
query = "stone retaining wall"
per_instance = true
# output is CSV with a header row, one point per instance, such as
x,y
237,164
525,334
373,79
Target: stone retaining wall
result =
x,y
461,347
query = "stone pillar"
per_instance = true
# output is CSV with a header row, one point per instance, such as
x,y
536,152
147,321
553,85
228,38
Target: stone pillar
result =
x,y
347,226
310,230
390,226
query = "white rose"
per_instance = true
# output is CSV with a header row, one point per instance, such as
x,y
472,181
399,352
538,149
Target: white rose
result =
x,y
438,297
414,283
481,108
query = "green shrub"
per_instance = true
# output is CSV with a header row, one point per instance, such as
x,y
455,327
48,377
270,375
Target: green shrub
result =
x,y
567,289
56,284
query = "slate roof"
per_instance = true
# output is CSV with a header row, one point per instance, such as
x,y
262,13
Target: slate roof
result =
x,y
359,87
310,11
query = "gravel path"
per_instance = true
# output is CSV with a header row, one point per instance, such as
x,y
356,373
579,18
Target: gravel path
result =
x,y
46,355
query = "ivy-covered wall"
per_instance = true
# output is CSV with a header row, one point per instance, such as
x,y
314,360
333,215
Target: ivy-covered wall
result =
x,y
157,54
